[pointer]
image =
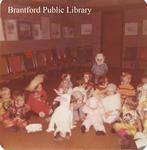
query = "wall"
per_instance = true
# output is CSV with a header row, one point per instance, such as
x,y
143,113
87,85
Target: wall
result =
x,y
136,43
75,21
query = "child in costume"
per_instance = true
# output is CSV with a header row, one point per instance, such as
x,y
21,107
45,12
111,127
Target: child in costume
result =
x,y
38,99
65,85
62,118
142,89
111,104
93,117
18,112
79,94
87,84
129,120
125,88
141,137
99,68
102,85
5,102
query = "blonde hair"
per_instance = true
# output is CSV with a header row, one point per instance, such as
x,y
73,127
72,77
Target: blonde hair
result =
x,y
4,89
126,75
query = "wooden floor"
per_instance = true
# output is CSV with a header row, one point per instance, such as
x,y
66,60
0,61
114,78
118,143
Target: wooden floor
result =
x,y
21,140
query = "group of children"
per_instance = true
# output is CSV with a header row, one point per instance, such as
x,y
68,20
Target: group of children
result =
x,y
92,101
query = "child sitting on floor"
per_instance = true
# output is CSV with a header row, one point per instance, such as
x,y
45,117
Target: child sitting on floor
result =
x,y
18,112
99,68
111,104
87,84
5,102
38,99
65,86
125,88
142,89
129,120
79,94
93,117
129,123
62,119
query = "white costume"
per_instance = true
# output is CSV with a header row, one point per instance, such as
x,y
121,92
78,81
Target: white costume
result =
x,y
111,105
94,117
142,90
79,93
62,118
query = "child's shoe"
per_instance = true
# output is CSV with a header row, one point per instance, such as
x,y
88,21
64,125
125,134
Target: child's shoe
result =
x,y
100,133
83,129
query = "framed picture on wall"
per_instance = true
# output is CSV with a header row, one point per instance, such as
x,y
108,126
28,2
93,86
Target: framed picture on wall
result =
x,y
131,28
55,31
45,28
86,29
11,30
68,32
24,30
2,38
36,30
144,27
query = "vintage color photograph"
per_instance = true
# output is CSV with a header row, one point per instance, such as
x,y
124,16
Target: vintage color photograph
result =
x,y
73,74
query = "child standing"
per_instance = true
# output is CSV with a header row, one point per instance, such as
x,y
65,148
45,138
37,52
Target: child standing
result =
x,y
99,68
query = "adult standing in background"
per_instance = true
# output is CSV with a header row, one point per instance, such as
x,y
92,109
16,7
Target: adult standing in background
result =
x,y
99,68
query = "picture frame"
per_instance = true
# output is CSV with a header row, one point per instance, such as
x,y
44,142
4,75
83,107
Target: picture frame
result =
x,y
45,28
36,31
68,32
86,29
2,37
55,31
144,27
131,28
11,31
24,30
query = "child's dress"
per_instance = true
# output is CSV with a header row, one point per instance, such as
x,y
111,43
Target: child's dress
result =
x,y
62,118
93,115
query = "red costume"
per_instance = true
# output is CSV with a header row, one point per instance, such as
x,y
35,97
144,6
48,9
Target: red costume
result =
x,y
38,102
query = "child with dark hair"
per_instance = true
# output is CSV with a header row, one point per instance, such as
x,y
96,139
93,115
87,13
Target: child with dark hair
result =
x,y
99,68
